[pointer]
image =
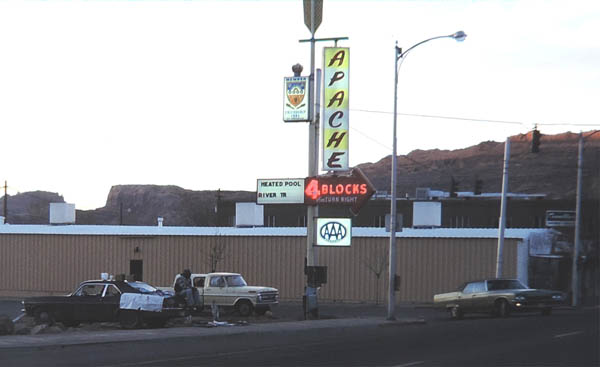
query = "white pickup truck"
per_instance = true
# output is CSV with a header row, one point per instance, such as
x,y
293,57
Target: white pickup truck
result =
x,y
231,290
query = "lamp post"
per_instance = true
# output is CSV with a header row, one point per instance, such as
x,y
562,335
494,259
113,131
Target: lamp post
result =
x,y
399,55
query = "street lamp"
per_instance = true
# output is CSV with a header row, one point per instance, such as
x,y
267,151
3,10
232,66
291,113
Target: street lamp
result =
x,y
459,36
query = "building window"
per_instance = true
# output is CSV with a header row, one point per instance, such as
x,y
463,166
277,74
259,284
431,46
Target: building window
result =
x,y
302,221
270,221
379,221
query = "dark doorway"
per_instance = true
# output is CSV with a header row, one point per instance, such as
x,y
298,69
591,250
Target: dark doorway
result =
x,y
136,268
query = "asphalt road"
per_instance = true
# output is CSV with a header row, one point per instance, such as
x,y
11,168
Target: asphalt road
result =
x,y
566,338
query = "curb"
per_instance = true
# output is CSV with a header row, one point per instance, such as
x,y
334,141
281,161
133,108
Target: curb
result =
x,y
116,336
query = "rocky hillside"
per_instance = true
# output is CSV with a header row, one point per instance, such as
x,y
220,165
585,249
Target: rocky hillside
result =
x,y
143,204
29,207
552,171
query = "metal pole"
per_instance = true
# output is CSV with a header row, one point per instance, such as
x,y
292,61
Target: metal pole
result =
x,y
502,224
577,246
392,252
5,202
317,121
312,139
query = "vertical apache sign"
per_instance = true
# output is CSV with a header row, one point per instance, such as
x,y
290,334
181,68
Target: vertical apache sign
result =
x,y
335,108
295,104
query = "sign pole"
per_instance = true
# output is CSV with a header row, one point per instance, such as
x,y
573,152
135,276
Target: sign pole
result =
x,y
312,139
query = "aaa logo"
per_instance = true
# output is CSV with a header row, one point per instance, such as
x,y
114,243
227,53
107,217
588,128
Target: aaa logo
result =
x,y
333,231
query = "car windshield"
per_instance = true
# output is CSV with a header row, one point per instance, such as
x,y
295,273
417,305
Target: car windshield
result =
x,y
505,284
143,287
235,281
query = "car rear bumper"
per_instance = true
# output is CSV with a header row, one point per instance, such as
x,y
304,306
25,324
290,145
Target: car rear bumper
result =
x,y
532,306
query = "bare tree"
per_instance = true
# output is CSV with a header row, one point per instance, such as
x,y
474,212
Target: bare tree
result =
x,y
215,254
377,262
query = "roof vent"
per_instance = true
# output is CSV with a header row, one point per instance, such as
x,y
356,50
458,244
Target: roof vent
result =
x,y
423,193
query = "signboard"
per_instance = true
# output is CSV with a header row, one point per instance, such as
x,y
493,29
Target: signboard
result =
x,y
560,218
354,190
318,13
280,191
295,100
334,231
335,108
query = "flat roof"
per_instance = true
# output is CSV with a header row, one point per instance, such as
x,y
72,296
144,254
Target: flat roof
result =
x,y
100,230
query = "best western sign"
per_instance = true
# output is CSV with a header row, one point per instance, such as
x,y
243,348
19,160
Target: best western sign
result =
x,y
335,108
280,191
295,104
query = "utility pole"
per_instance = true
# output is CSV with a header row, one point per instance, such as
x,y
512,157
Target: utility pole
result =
x,y
5,201
577,245
218,224
502,224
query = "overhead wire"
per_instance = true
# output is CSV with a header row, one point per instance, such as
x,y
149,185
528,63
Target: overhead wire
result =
x,y
523,123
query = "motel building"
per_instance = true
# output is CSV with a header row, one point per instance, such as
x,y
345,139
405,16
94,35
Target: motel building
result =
x,y
53,259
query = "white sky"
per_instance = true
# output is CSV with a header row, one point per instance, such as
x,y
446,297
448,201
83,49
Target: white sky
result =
x,y
190,93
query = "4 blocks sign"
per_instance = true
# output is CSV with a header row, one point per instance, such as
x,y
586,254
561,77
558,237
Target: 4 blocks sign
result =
x,y
336,108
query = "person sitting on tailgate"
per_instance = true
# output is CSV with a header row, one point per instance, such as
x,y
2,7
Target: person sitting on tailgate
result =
x,y
184,288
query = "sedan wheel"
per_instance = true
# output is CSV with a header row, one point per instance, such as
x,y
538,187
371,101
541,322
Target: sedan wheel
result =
x,y
456,313
129,319
502,308
42,316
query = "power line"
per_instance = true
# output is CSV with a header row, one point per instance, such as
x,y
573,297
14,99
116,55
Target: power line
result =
x,y
476,120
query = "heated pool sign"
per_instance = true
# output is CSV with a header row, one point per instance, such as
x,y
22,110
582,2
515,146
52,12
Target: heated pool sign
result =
x,y
280,191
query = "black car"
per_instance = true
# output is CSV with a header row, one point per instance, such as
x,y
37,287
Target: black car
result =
x,y
130,303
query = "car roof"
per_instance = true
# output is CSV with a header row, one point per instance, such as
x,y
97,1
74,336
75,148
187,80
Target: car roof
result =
x,y
123,285
488,280
223,273
104,281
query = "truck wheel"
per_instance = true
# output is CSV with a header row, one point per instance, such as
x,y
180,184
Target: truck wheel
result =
x,y
244,308
129,319
502,308
456,313
43,316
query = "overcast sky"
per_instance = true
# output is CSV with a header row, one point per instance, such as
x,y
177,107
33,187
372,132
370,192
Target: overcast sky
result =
x,y
190,93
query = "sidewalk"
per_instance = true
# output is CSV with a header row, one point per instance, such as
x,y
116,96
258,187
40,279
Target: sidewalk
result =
x,y
111,336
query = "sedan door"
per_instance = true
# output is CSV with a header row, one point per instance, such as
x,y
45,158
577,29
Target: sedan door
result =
x,y
480,298
110,303
466,300
87,302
